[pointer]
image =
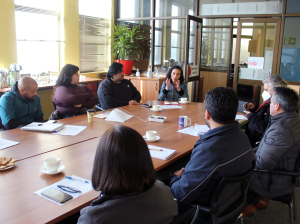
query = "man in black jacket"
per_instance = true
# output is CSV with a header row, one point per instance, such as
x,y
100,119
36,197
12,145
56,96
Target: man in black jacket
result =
x,y
115,91
278,150
222,151
258,118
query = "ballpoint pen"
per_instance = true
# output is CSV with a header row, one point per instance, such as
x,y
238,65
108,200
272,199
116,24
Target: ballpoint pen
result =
x,y
155,149
71,178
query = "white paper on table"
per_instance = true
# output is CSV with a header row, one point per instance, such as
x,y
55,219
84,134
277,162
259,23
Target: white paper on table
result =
x,y
201,129
70,130
102,115
7,143
240,117
170,107
189,130
164,154
118,115
83,187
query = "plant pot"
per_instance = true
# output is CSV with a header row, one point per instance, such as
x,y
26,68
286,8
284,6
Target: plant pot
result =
x,y
128,64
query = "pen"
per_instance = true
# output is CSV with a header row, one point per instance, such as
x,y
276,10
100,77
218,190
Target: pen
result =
x,y
155,149
71,178
40,124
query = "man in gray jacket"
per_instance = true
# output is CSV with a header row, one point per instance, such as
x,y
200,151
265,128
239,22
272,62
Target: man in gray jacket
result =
x,y
278,150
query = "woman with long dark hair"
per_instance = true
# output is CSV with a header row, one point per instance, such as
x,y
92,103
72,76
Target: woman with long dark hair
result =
x,y
69,97
174,87
124,173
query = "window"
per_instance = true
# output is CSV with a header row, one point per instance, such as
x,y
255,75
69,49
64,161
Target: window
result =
x,y
38,42
176,35
94,32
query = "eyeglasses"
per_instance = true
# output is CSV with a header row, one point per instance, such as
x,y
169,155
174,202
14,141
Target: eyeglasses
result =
x,y
68,189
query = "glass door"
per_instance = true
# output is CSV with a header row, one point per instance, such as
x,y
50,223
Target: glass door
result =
x,y
256,50
192,57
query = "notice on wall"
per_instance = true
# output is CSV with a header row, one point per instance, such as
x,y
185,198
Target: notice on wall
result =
x,y
256,62
194,71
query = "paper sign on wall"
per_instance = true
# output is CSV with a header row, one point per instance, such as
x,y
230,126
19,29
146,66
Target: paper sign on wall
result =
x,y
256,62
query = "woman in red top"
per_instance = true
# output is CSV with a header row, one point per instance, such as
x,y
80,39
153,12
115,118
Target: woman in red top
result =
x,y
70,98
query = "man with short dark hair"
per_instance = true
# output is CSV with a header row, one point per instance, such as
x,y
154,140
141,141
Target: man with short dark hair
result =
x,y
222,151
115,91
21,105
278,150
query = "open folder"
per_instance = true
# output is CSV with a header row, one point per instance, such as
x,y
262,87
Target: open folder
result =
x,y
42,127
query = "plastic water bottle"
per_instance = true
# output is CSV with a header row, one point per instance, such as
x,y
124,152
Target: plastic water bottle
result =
x,y
137,74
149,74
156,74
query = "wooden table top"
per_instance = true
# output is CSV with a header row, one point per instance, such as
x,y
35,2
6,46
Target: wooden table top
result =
x,y
51,85
19,203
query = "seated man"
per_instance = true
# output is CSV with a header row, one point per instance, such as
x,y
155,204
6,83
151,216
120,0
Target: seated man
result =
x,y
222,151
258,118
21,105
278,150
115,91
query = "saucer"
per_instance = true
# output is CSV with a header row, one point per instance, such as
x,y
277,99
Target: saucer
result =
x,y
183,102
157,138
60,169
156,110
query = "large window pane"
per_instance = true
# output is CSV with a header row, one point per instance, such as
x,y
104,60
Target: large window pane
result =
x,y
239,7
134,8
293,6
94,33
169,48
217,22
174,8
290,58
215,48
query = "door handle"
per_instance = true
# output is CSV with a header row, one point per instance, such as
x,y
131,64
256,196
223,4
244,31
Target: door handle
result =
x,y
156,86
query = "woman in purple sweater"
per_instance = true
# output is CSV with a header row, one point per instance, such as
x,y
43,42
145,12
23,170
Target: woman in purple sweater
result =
x,y
70,97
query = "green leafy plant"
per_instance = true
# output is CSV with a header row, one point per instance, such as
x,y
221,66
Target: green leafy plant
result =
x,y
128,43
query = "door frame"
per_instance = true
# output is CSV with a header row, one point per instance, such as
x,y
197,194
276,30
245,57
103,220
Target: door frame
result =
x,y
275,69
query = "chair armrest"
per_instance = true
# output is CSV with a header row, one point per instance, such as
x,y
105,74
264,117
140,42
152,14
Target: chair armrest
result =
x,y
282,172
210,210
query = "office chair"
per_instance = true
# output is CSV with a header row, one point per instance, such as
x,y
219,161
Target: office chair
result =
x,y
189,217
229,198
288,199
54,105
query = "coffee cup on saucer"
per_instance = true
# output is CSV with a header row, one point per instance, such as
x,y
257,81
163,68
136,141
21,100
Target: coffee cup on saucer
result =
x,y
155,107
152,135
183,100
52,164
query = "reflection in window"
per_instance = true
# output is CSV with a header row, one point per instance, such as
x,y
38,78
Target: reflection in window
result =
x,y
290,58
215,48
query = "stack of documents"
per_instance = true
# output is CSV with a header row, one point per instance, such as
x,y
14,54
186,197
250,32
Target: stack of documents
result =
x,y
43,127
161,153
6,143
168,103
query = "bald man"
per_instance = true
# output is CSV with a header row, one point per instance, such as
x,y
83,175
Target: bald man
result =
x,y
21,105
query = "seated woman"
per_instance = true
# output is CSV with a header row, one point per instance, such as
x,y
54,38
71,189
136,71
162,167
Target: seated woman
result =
x,y
70,98
124,173
174,87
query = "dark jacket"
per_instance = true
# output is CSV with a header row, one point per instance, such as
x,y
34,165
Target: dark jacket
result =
x,y
66,97
223,151
258,123
15,111
278,150
156,205
112,95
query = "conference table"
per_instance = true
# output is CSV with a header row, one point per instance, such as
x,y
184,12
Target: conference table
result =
x,y
18,202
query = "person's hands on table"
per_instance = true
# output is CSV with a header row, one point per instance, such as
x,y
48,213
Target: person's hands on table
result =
x,y
179,172
133,102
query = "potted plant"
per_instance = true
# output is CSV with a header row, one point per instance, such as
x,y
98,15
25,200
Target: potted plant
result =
x,y
127,45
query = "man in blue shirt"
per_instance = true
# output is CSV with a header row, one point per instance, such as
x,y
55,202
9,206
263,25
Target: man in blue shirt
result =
x,y
21,105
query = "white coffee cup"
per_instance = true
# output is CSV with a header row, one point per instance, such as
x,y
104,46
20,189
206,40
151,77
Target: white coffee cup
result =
x,y
155,107
52,164
151,135
183,100
183,121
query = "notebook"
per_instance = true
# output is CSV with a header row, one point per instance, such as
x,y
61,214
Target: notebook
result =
x,y
42,127
160,153
172,103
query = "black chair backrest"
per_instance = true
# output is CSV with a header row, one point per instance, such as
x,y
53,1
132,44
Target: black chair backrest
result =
x,y
54,105
189,217
297,168
229,198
